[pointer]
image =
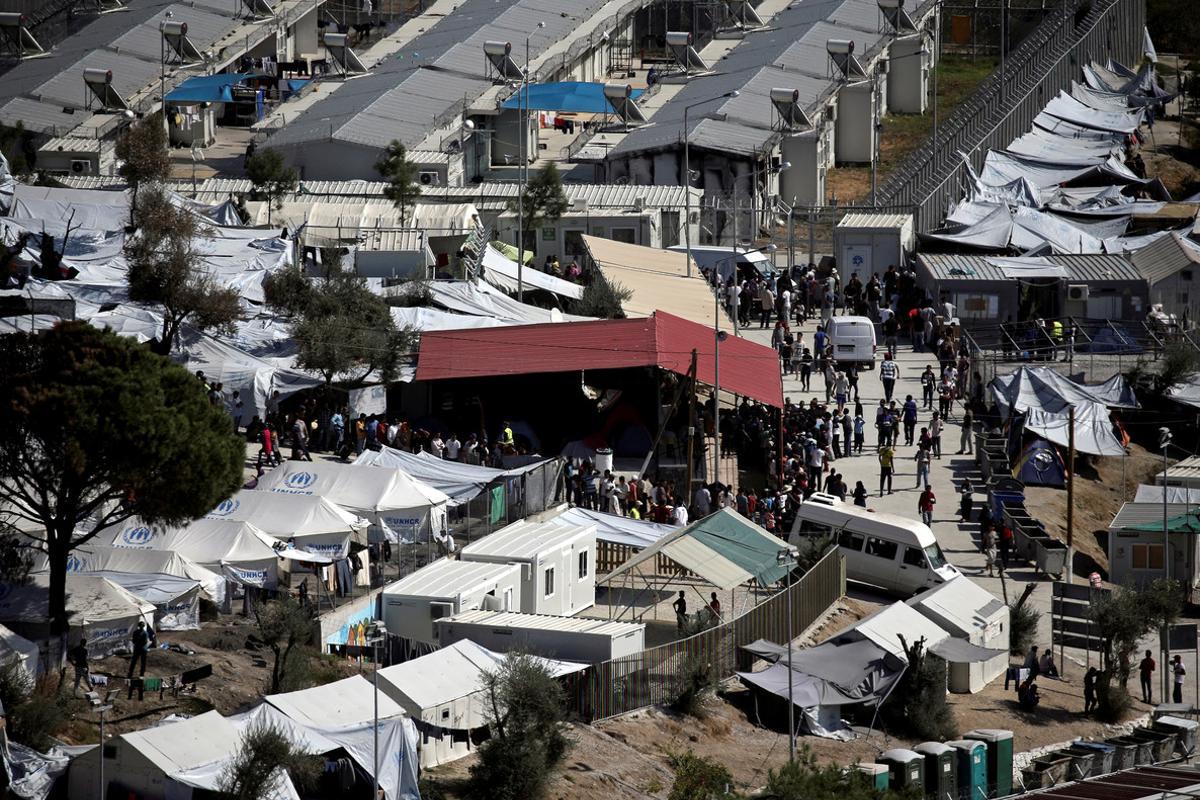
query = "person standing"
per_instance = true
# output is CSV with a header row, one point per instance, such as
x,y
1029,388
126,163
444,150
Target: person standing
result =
x,y
337,421
806,360
910,419
922,467
925,505
78,656
935,434
300,439
928,382
1180,673
1006,538
1089,690
1146,673
888,372
680,607
966,443
766,304
860,426
142,639
886,460
989,550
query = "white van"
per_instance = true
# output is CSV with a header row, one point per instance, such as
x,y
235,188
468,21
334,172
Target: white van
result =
x,y
853,341
886,550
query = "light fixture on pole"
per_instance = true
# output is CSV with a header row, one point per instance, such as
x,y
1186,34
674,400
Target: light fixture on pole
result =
x,y
687,175
376,635
101,707
787,557
1164,441
523,169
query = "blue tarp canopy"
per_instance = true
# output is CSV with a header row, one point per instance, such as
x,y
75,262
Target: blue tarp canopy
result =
x,y
565,96
206,89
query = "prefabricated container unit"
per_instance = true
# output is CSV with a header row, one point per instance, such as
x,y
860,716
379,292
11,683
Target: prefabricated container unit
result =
x,y
879,775
972,769
999,758
941,770
966,610
445,588
906,767
557,561
565,638
869,243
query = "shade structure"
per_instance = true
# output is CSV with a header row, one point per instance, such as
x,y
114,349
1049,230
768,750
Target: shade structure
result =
x,y
574,96
239,550
206,89
725,549
661,340
96,607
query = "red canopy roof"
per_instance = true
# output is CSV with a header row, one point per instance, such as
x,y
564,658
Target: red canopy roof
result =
x,y
660,340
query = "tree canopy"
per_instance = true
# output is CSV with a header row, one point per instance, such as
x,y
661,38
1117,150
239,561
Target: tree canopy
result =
x,y
98,427
142,150
401,176
166,270
543,200
1122,619
271,176
266,753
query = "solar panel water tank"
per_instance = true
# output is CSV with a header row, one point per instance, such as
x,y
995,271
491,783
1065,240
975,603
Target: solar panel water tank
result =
x,y
98,83
339,50
680,45
972,768
499,58
841,53
941,770
16,37
999,758
175,36
620,98
907,769
897,18
788,110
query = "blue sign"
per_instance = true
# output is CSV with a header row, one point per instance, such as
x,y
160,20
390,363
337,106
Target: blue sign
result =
x,y
300,480
226,508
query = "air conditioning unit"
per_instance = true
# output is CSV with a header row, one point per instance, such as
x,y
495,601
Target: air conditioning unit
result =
x,y
639,203
1077,292
491,603
429,177
579,205
440,610
81,166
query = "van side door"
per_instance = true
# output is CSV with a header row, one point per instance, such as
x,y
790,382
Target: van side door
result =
x,y
915,574
880,557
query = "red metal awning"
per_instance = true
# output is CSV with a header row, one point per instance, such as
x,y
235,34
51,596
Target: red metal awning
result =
x,y
660,340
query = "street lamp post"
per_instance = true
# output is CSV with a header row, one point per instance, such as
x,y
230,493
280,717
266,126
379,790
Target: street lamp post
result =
x,y
1164,441
687,176
523,170
376,635
787,558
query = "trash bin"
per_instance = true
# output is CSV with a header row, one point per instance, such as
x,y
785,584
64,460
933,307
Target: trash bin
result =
x,y
1051,556
1142,754
972,769
1104,753
604,460
906,768
1185,730
999,759
941,769
1046,771
1082,760
1172,710
1124,753
877,774
1162,745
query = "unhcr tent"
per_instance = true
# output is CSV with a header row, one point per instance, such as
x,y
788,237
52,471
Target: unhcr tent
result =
x,y
99,559
239,550
461,482
725,549
443,693
399,507
618,530
20,648
311,523
169,760
1040,465
97,608
1043,389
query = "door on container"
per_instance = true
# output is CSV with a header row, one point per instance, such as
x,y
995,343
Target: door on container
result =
x,y
508,599
1105,306
856,258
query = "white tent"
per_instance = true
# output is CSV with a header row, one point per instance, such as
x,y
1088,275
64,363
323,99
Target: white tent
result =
x,y
96,607
14,646
443,693
168,760
346,702
968,611
241,551
94,558
313,523
886,626
399,507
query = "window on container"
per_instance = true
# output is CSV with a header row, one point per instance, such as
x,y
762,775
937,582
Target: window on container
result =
x,y
583,565
1147,556
549,583
626,235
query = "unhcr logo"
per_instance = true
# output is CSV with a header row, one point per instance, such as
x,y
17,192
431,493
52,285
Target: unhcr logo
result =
x,y
138,536
76,564
300,480
226,508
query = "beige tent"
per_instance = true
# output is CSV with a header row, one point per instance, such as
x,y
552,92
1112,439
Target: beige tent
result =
x,y
658,280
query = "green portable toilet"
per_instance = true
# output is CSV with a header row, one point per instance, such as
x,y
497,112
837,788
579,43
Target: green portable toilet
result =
x,y
941,770
999,759
907,769
972,768
877,774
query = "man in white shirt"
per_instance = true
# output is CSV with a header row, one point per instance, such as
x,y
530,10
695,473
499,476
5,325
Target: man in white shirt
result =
x,y
702,500
453,446
680,515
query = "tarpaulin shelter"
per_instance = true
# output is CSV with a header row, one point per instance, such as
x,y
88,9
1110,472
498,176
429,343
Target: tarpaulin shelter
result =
x,y
1093,429
458,480
172,759
1044,389
442,692
501,271
1040,465
574,96
239,550
96,607
661,340
399,507
618,530
206,89
311,523
13,645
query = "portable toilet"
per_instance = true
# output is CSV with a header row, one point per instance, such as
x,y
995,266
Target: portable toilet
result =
x,y
999,759
877,775
972,768
941,770
906,769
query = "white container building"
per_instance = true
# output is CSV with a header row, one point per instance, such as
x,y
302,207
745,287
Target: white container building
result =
x,y
443,589
565,638
966,610
557,560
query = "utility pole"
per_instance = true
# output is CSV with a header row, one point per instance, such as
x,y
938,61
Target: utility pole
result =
x,y
691,426
1070,493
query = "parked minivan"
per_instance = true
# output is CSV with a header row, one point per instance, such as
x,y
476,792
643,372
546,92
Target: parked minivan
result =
x,y
892,552
853,341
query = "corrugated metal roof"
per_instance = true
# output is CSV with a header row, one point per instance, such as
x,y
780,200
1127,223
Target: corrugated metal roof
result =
x,y
869,220
664,340
1080,268
448,578
1164,257
527,539
405,240
1132,514
71,144
544,622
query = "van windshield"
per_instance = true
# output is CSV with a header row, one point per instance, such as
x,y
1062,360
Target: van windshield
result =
x,y
934,554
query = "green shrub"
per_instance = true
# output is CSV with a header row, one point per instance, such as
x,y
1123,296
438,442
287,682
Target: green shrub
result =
x,y
1022,628
699,778
917,705
693,683
602,298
